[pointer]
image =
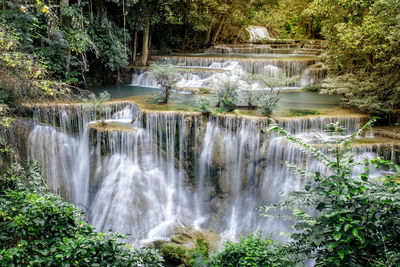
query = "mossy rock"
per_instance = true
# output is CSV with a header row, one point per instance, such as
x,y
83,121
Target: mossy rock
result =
x,y
302,112
204,90
187,246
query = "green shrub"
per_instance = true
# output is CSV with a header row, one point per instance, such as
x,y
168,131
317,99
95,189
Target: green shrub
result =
x,y
5,97
267,99
357,223
195,256
167,76
268,102
250,96
362,53
174,253
219,110
27,176
97,103
253,250
227,93
40,229
203,105
5,118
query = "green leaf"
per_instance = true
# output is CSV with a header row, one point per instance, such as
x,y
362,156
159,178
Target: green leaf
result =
x,y
332,246
341,254
337,236
347,227
355,233
364,177
307,186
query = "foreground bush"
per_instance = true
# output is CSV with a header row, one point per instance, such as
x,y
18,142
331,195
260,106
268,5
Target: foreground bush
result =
x,y
357,222
251,251
40,229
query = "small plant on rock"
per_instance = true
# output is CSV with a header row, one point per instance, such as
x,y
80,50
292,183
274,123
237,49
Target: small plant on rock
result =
x,y
249,95
227,93
268,101
203,105
167,76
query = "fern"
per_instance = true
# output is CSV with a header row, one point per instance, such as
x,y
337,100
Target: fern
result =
x,y
340,219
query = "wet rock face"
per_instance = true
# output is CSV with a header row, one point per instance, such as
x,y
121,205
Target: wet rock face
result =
x,y
186,241
18,135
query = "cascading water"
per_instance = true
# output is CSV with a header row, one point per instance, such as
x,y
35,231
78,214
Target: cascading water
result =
x,y
140,190
258,33
63,149
235,67
295,60
166,170
313,74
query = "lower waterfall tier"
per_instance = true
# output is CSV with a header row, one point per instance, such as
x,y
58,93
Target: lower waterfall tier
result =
x,y
146,173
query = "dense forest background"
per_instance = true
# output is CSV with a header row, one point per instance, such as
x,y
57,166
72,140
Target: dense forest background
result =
x,y
89,43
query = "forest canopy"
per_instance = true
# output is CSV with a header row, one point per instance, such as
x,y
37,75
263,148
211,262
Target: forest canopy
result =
x,y
90,43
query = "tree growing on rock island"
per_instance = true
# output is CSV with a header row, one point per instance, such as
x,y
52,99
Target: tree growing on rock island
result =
x,y
167,76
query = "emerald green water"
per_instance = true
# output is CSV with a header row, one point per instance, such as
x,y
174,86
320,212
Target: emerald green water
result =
x,y
186,101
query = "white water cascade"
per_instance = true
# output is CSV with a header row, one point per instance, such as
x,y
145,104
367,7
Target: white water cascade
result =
x,y
139,188
258,33
205,70
166,170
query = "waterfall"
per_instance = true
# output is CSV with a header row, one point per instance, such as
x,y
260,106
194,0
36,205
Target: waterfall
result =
x,y
239,49
63,149
140,190
56,152
291,67
234,67
313,75
258,33
246,167
295,60
144,79
167,169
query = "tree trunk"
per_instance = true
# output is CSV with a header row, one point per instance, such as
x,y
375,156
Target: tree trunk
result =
x,y
145,43
124,25
238,34
119,77
185,25
134,50
241,30
208,35
66,21
67,66
185,38
220,24
149,43
299,25
309,33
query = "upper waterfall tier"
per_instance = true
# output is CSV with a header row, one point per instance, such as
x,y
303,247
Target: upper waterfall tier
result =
x,y
203,69
291,66
258,33
291,48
